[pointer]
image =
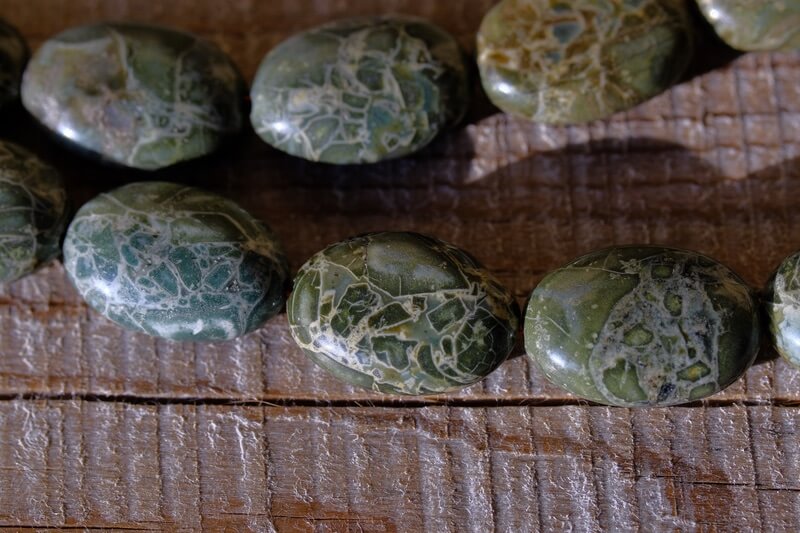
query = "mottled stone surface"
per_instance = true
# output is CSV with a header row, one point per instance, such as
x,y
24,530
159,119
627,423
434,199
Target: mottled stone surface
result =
x,y
565,62
402,313
175,262
782,303
141,96
33,212
360,90
755,24
13,56
639,326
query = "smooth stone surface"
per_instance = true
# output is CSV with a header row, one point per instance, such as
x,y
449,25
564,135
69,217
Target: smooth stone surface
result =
x,y
782,304
402,313
567,62
754,25
360,90
175,262
141,96
33,212
642,326
13,56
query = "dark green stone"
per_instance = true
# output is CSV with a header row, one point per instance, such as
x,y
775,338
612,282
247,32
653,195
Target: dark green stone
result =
x,y
755,24
141,96
566,62
783,309
33,212
13,56
360,90
175,262
402,313
642,326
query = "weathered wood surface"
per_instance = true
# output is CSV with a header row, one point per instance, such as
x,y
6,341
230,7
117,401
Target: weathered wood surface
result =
x,y
183,466
100,428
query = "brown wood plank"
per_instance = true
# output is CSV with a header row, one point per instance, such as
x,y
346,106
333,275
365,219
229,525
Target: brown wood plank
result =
x,y
77,463
149,442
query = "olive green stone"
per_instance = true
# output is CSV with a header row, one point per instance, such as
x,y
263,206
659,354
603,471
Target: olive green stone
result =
x,y
175,262
33,212
564,62
360,90
642,326
402,313
13,56
755,24
141,96
783,309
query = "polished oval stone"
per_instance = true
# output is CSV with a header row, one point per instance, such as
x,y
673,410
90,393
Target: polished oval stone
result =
x,y
755,24
402,313
642,326
360,90
33,212
565,62
141,96
13,56
782,303
175,262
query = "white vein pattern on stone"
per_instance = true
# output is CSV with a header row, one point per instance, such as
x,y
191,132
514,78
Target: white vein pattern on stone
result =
x,y
175,262
394,327
783,308
667,329
33,212
562,62
104,89
653,338
370,100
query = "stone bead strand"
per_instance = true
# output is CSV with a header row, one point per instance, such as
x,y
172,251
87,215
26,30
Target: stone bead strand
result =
x,y
393,312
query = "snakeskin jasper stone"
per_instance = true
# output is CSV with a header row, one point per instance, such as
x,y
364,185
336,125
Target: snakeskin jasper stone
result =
x,y
33,212
564,62
642,326
175,262
141,96
755,24
13,56
360,90
402,313
783,309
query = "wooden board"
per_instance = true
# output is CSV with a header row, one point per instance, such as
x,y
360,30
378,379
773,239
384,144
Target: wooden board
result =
x,y
186,466
100,428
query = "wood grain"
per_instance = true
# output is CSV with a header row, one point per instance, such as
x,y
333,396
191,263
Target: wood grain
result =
x,y
101,428
185,466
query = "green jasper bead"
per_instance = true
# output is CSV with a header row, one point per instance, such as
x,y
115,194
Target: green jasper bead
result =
x,y
642,326
175,262
13,56
782,303
140,96
754,25
402,313
33,212
360,90
562,62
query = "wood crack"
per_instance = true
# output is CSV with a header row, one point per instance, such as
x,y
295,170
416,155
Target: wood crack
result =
x,y
389,402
